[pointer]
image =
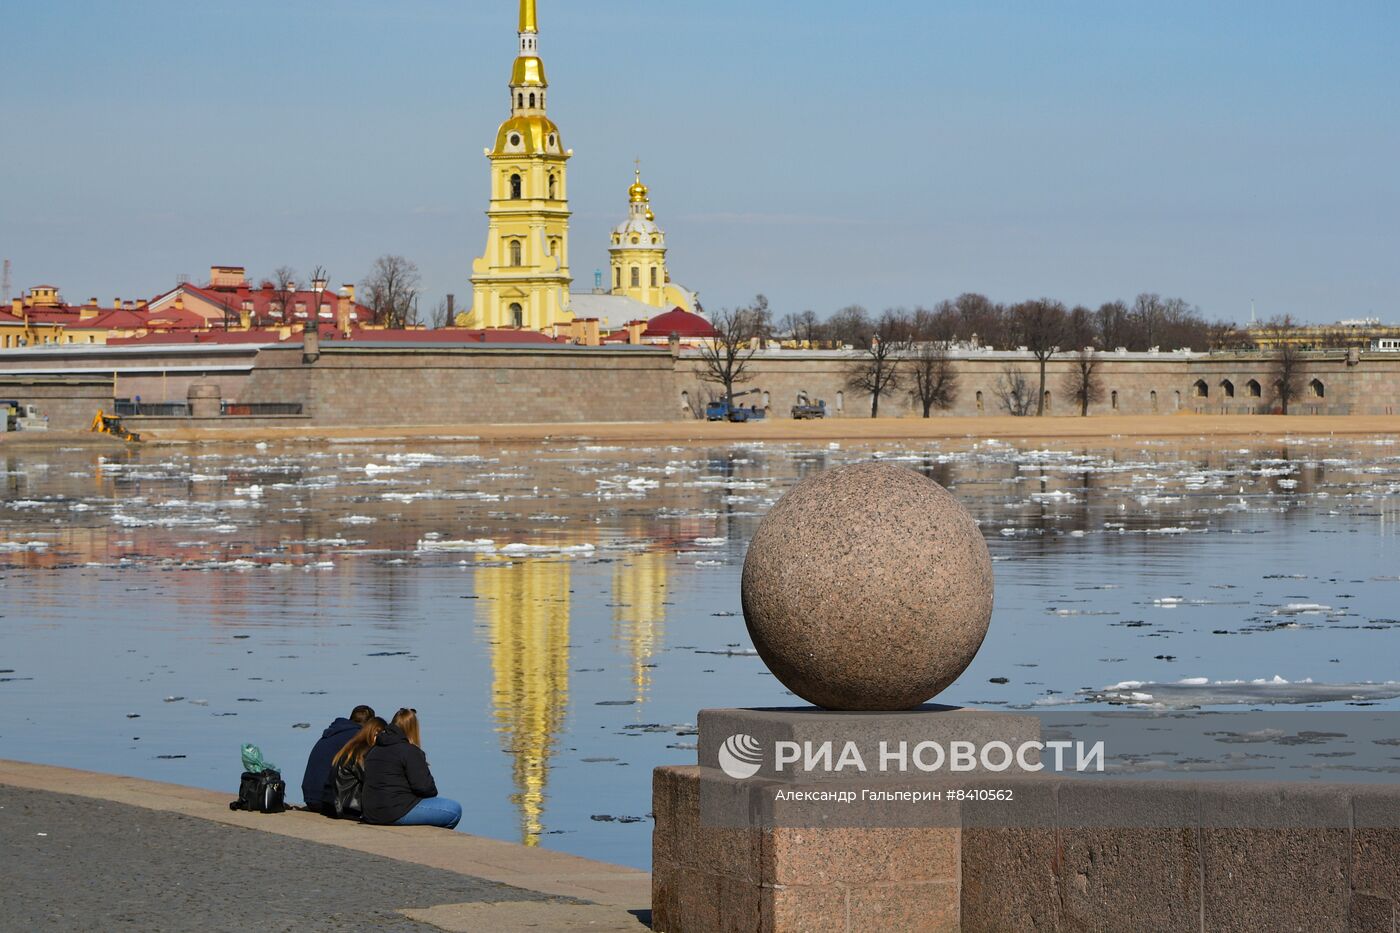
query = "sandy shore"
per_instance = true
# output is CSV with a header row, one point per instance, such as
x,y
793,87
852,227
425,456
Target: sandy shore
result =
x,y
836,429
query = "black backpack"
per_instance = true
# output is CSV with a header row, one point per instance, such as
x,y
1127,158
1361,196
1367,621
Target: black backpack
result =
x,y
349,782
261,792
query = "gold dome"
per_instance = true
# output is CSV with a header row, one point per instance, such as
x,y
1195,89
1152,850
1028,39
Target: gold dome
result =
x,y
638,191
534,133
528,72
650,215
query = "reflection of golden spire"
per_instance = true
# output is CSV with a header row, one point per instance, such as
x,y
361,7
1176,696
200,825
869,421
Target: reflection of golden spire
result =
x,y
639,598
529,22
529,624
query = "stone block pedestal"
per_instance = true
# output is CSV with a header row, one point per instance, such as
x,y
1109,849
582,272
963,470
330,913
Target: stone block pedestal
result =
x,y
732,854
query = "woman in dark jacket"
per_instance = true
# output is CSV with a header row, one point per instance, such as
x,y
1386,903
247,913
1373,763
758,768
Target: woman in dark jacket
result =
x,y
347,778
399,788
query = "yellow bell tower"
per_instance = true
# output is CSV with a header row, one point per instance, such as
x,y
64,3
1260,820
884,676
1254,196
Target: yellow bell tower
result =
x,y
522,280
638,255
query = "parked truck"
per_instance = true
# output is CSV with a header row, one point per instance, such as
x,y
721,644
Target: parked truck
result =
x,y
726,410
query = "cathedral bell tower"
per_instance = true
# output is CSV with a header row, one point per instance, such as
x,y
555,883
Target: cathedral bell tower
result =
x,y
522,280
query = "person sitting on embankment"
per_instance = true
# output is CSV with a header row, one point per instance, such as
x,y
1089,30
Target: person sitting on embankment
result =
x,y
348,771
316,789
399,788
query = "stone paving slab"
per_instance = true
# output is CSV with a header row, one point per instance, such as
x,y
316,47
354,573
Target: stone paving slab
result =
x,y
71,863
493,872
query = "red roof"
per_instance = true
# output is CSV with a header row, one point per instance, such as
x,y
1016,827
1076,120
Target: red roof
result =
x,y
330,334
116,319
681,323
265,304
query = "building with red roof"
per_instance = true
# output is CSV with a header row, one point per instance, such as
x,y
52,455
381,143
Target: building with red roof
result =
x,y
228,301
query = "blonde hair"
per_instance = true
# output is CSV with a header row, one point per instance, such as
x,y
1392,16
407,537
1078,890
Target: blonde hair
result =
x,y
354,751
406,721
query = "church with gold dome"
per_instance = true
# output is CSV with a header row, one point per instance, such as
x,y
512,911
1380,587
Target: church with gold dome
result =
x,y
522,280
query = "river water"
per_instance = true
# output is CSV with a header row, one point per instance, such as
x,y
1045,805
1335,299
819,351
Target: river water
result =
x,y
558,613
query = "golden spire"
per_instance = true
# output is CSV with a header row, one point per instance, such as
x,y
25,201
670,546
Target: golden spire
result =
x,y
529,22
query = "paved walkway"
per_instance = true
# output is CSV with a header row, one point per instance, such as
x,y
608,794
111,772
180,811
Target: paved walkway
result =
x,y
84,851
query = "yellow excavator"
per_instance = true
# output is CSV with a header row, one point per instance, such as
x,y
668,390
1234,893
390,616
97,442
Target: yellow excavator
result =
x,y
112,424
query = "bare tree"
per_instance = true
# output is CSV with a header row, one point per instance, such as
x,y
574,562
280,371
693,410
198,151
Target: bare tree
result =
x,y
935,379
1287,366
1082,381
284,284
801,328
876,371
851,325
1014,393
724,358
441,315
1040,324
392,290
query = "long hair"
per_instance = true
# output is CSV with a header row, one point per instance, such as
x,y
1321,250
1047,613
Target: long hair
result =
x,y
354,751
406,721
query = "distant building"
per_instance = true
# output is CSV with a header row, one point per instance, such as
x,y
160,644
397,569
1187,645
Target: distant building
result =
x,y
229,302
522,279
42,318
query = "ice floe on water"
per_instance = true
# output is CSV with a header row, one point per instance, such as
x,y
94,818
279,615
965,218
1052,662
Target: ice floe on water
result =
x,y
1193,692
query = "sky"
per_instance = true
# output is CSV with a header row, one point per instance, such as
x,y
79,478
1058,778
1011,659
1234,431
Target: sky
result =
x,y
822,153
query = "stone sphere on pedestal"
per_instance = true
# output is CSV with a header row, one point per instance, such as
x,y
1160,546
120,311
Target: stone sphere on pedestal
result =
x,y
867,587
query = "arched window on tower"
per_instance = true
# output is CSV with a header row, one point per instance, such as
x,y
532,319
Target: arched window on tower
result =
x,y
520,100
636,277
617,277
552,182
653,276
532,100
517,315
515,253
515,188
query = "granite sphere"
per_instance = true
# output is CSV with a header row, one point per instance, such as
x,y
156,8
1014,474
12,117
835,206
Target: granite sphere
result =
x,y
867,587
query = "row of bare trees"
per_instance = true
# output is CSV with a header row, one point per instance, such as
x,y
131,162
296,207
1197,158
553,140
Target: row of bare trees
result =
x,y
909,352
1149,321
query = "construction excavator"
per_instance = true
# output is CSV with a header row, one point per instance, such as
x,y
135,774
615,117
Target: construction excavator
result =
x,y
111,424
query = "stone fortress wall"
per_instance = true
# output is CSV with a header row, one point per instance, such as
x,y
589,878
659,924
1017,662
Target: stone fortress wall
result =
x,y
434,383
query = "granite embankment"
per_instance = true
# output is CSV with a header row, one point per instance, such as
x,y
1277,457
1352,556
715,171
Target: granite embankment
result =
x,y
84,851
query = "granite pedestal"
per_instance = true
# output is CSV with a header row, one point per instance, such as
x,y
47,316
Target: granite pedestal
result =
x,y
850,843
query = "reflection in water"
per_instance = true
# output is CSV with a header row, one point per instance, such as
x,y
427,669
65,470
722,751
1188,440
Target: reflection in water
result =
x,y
527,605
258,591
639,611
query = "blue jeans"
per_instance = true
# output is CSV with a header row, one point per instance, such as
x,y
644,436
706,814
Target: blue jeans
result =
x,y
433,811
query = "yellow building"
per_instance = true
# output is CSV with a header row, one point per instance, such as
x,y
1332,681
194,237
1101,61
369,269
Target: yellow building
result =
x,y
522,280
638,256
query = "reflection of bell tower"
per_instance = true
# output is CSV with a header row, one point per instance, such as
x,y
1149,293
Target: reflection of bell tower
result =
x,y
639,595
529,625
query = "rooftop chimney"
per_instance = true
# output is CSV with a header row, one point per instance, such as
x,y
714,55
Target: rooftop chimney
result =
x,y
348,290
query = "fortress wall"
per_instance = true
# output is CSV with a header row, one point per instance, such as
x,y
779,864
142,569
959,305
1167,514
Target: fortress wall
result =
x,y
386,384
1144,383
69,402
395,385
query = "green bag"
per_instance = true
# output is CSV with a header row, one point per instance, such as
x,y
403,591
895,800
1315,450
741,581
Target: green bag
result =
x,y
253,760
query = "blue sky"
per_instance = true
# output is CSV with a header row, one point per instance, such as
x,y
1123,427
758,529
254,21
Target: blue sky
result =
x,y
823,153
